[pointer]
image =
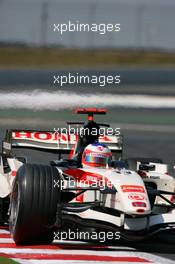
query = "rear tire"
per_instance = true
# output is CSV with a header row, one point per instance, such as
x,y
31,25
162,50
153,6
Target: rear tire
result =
x,y
33,204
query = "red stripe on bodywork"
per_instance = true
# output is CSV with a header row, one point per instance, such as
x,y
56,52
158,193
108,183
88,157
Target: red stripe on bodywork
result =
x,y
81,175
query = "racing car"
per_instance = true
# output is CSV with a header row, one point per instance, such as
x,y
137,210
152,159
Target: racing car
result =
x,y
92,189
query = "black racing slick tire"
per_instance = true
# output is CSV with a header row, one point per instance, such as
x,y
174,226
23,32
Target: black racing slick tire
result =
x,y
33,204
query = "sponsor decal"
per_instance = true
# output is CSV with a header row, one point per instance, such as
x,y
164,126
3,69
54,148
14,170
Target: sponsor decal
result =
x,y
92,178
50,136
132,188
137,197
39,136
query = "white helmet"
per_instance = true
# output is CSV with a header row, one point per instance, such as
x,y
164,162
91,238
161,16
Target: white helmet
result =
x,y
96,155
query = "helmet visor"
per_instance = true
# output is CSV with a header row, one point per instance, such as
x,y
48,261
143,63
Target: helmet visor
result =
x,y
98,160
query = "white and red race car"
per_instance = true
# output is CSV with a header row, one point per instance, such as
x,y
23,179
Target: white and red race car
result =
x,y
64,196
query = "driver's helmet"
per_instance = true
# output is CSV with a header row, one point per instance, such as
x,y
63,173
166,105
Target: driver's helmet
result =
x,y
96,155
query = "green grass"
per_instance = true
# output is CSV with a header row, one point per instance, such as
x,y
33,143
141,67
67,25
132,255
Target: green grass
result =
x,y
12,57
4,260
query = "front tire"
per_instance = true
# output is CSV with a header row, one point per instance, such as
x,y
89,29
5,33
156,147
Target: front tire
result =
x,y
33,204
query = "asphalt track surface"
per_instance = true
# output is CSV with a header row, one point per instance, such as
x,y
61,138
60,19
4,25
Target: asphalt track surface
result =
x,y
83,252
135,76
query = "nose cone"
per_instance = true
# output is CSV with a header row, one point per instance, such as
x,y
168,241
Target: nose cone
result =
x,y
131,192
135,199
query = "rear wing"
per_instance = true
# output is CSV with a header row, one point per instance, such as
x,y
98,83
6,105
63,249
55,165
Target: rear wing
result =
x,y
51,141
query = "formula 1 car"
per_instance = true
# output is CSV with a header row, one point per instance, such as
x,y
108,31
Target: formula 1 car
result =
x,y
65,196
